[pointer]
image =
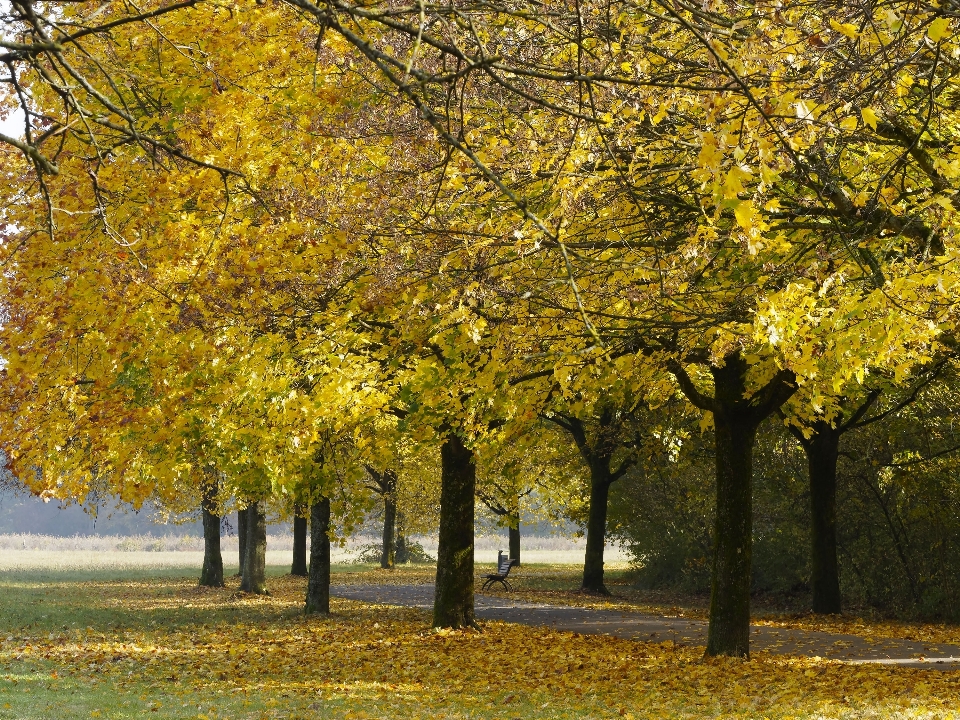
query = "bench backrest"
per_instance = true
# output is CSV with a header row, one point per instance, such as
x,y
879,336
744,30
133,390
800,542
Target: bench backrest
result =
x,y
504,563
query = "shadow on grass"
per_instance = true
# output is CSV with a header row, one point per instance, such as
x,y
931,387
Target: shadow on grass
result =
x,y
111,599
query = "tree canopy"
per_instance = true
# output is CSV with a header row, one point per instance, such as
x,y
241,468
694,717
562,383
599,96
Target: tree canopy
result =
x,y
302,242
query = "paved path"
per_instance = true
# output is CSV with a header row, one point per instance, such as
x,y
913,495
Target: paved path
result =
x,y
654,628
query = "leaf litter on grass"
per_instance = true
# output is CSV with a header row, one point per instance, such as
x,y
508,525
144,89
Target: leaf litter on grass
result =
x,y
382,661
553,585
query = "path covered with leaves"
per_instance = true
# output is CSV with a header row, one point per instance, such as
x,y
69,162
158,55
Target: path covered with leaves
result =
x,y
129,646
780,639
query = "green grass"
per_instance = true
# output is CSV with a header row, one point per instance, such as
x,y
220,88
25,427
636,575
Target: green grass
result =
x,y
125,644
87,605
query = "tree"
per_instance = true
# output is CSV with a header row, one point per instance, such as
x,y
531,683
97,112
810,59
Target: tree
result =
x,y
212,573
697,250
385,485
42,48
299,564
453,603
526,472
598,446
181,355
820,440
736,419
254,578
505,505
243,535
318,584
702,194
408,484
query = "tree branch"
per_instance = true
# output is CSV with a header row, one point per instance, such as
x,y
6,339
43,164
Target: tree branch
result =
x,y
697,398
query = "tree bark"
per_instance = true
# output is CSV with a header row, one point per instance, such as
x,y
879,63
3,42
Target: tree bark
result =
x,y
318,586
515,538
735,428
598,455
212,573
736,418
388,554
822,450
242,538
401,555
729,632
453,603
254,571
299,565
596,527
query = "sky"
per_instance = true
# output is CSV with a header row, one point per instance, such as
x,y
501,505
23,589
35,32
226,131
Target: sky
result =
x,y
12,126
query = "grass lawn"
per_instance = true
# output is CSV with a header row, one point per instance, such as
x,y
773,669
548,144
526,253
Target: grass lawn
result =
x,y
150,643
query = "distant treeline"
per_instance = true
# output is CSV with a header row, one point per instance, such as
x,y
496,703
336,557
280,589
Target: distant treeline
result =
x,y
21,513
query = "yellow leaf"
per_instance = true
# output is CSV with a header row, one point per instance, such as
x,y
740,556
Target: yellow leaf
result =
x,y
732,185
944,203
849,123
869,117
938,28
744,213
845,29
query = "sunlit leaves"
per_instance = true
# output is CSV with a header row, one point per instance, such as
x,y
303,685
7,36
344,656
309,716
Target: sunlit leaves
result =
x,y
170,642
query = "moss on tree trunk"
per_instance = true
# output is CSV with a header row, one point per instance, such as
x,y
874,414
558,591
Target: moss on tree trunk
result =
x,y
318,585
453,603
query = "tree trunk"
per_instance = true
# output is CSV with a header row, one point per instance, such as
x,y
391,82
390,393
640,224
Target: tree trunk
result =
x,y
735,429
388,554
242,538
736,418
401,555
212,573
299,566
453,603
596,527
254,570
515,538
822,450
318,586
729,632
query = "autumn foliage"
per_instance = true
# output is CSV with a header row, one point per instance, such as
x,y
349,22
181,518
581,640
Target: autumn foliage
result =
x,y
323,237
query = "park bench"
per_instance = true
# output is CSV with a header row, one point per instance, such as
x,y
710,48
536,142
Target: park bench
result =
x,y
504,564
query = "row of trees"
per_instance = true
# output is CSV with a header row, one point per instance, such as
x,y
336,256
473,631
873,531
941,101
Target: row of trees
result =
x,y
874,525
326,238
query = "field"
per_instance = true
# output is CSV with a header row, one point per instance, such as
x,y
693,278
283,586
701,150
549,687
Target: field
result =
x,y
133,642
22,551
